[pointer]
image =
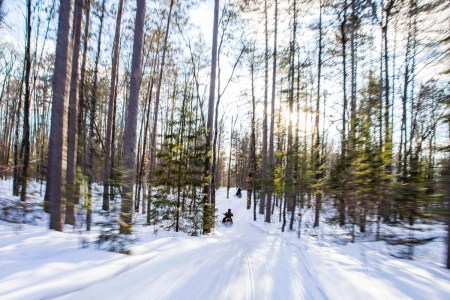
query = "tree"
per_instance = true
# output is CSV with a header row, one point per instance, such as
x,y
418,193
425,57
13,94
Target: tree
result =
x,y
343,156
317,152
25,150
387,106
252,161
129,139
72,193
290,184
92,121
208,206
228,16
264,153
232,132
56,149
82,103
158,90
111,104
272,121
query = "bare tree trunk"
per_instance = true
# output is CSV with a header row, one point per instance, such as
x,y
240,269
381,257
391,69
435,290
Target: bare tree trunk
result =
x,y
129,139
81,130
57,146
16,171
317,155
219,168
71,192
296,170
344,83
208,206
344,112
92,115
264,175
233,123
147,121
156,109
158,93
25,150
403,131
180,157
272,122
289,185
353,77
9,118
387,106
215,152
252,166
111,104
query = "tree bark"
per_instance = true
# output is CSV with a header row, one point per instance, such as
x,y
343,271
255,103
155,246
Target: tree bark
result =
x,y
71,192
81,131
180,157
112,100
26,109
272,122
158,93
317,155
264,175
57,146
252,166
92,115
344,83
233,124
129,139
208,206
289,184
344,112
352,130
387,106
16,171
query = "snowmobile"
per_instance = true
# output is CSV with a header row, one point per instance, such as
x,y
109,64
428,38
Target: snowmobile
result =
x,y
227,220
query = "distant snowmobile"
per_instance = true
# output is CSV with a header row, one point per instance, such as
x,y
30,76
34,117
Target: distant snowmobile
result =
x,y
239,193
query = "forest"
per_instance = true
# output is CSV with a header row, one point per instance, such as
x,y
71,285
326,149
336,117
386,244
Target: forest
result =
x,y
335,108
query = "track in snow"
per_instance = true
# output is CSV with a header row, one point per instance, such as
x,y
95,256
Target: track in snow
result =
x,y
250,260
238,262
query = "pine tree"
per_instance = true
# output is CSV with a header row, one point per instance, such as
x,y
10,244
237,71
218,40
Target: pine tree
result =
x,y
58,134
111,105
129,139
208,206
71,192
271,159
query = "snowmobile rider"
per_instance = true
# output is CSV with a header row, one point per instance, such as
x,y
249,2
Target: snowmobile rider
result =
x,y
228,214
238,193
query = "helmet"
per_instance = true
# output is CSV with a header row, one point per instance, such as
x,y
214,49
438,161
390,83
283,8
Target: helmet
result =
x,y
229,210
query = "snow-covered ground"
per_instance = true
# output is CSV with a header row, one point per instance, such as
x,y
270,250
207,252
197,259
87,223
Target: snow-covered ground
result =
x,y
250,260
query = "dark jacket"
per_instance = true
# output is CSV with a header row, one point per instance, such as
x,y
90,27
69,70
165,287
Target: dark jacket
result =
x,y
228,214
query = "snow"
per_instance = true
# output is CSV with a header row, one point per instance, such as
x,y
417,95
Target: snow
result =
x,y
250,260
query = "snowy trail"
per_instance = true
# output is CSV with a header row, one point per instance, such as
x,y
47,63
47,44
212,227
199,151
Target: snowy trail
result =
x,y
238,262
250,260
